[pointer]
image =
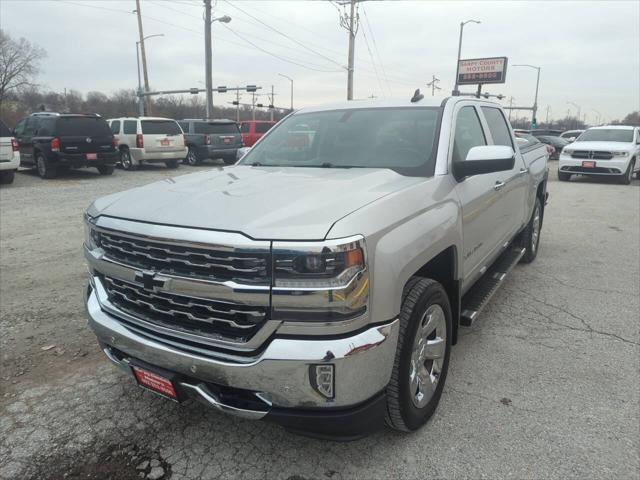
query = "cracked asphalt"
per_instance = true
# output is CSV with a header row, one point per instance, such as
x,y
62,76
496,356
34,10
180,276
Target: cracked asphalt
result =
x,y
545,384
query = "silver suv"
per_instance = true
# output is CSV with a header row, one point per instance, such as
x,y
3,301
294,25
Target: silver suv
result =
x,y
321,282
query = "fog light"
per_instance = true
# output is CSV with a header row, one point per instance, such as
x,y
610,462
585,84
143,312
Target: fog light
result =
x,y
321,377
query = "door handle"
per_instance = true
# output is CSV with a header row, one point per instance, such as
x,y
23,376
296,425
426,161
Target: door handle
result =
x,y
498,185
523,171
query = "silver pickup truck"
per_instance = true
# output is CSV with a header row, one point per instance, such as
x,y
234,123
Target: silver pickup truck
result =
x,y
320,282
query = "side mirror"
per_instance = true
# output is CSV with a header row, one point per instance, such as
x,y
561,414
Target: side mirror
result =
x,y
485,159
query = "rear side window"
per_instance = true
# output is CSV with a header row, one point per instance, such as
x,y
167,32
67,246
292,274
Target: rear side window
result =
x,y
497,126
115,126
200,127
46,127
89,126
224,128
468,134
263,127
160,127
245,127
20,127
129,127
4,130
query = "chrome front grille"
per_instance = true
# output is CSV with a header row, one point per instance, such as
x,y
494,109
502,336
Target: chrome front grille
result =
x,y
187,261
190,315
592,154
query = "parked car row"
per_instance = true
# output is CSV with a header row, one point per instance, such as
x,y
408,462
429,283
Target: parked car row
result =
x,y
51,142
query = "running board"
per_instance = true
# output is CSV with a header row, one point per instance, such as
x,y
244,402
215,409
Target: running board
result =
x,y
479,295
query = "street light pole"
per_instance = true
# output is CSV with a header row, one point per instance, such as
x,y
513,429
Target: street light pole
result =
x,y
208,75
291,80
578,108
139,44
534,116
456,92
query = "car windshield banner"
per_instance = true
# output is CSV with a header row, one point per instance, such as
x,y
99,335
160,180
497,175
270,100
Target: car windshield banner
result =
x,y
482,70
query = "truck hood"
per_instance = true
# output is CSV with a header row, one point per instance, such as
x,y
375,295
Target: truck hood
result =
x,y
275,203
602,146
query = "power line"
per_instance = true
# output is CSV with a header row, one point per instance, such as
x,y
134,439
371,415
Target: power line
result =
x,y
375,46
372,60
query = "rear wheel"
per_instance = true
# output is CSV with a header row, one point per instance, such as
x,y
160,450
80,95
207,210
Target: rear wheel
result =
x,y
125,159
229,160
45,168
105,169
422,355
172,163
192,157
7,176
563,177
531,234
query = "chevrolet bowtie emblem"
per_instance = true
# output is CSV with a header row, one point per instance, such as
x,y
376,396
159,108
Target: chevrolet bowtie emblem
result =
x,y
150,281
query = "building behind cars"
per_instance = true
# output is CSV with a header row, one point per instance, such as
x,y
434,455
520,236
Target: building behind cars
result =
x,y
612,150
148,140
9,154
252,130
51,142
215,138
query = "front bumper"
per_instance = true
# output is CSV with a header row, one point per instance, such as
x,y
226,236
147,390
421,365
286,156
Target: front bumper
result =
x,y
279,374
614,166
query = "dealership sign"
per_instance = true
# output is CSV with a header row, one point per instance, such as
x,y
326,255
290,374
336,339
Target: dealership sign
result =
x,y
482,70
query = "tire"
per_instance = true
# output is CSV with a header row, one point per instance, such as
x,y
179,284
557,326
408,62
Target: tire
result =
x,y
172,163
126,161
563,177
628,175
45,168
425,303
192,157
105,169
530,239
7,177
229,160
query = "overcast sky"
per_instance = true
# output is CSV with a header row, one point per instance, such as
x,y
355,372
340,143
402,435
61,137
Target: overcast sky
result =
x,y
589,51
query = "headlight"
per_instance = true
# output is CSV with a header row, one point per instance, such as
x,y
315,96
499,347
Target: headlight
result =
x,y
566,151
621,153
320,281
91,236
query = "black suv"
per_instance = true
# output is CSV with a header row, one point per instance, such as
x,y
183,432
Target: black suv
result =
x,y
51,141
211,139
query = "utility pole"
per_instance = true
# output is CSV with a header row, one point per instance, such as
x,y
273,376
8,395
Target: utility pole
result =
x,y
511,99
208,75
144,57
433,85
238,105
271,103
350,23
253,106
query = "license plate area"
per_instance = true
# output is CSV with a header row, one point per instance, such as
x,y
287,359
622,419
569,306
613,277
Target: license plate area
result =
x,y
588,164
159,382
92,156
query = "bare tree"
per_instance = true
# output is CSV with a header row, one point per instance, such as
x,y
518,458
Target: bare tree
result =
x,y
19,63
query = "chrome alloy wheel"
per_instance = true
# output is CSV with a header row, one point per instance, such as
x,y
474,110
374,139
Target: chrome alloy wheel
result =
x,y
535,233
427,355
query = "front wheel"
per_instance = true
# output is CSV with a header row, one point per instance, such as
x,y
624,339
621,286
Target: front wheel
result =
x,y
229,160
628,175
172,163
422,355
563,177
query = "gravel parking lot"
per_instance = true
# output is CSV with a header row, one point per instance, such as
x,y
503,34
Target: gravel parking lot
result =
x,y
545,384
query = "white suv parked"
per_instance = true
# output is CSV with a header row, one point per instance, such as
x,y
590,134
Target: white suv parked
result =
x,y
148,140
612,150
9,154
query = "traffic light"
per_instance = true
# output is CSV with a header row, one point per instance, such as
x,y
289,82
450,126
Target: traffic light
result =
x,y
235,102
534,123
251,88
222,89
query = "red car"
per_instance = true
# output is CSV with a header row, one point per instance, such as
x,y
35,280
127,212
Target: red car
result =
x,y
252,130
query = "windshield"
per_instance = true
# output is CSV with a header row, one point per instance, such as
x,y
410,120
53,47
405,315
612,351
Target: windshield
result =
x,y
606,135
400,139
160,127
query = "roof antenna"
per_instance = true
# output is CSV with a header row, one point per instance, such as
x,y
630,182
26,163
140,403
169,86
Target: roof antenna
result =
x,y
417,96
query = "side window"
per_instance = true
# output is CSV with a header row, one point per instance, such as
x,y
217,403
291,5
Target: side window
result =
x,y
244,127
200,127
497,126
129,127
20,127
46,127
32,125
115,127
184,126
468,133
